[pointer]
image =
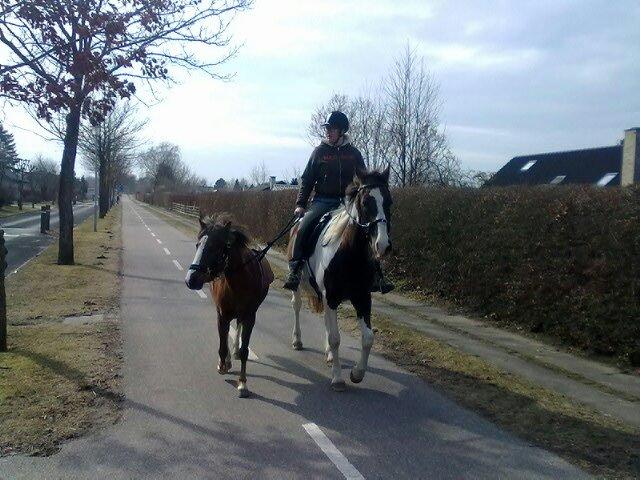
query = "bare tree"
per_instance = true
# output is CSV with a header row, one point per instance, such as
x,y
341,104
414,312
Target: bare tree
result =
x,y
259,173
163,167
110,148
418,144
77,57
44,178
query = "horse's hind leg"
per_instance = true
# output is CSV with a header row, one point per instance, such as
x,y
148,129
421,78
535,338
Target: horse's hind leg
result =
x,y
296,336
247,328
333,336
235,351
224,363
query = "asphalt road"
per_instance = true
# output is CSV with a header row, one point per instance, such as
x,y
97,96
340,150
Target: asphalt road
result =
x,y
183,420
23,239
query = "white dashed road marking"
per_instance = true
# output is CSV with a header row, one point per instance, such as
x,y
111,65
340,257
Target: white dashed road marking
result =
x,y
178,266
166,250
159,241
330,450
152,234
201,293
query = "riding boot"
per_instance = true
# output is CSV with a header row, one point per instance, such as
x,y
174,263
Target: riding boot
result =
x,y
380,284
293,279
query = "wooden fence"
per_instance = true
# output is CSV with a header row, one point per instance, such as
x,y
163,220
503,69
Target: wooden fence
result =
x,y
190,210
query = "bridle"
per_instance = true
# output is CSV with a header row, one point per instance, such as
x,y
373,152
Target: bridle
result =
x,y
206,269
369,225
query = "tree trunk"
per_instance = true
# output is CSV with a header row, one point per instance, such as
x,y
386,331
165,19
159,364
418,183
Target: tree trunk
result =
x,y
65,192
104,190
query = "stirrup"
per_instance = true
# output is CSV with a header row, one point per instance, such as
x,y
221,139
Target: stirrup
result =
x,y
292,282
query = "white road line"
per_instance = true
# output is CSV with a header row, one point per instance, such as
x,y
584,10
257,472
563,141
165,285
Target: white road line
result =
x,y
166,250
178,266
201,293
159,241
152,234
252,355
330,450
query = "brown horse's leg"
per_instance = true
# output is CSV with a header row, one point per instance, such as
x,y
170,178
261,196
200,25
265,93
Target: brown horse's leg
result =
x,y
247,327
224,364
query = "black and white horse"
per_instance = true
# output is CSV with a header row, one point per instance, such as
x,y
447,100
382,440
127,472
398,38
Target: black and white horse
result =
x,y
342,266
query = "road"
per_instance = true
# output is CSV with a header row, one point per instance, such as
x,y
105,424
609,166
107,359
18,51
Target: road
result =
x,y
183,420
23,239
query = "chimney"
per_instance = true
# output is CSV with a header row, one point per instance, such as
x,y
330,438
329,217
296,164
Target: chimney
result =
x,y
272,182
630,171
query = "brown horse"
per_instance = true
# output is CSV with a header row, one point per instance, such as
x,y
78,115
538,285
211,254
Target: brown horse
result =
x,y
239,284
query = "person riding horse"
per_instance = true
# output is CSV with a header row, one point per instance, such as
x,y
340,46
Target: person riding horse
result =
x,y
329,171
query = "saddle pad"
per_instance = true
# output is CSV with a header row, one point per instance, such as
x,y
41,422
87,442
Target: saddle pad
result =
x,y
312,239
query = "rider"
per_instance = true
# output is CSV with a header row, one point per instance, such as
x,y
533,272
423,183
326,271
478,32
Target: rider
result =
x,y
330,170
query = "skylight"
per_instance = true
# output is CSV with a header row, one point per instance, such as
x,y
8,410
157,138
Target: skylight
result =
x,y
606,179
528,165
558,179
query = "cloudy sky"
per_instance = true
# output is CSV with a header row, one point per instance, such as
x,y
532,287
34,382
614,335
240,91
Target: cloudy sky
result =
x,y
516,77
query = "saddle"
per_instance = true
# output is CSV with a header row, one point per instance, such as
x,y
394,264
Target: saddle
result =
x,y
310,242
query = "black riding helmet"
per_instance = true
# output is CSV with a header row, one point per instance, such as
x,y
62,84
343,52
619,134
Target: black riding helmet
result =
x,y
337,120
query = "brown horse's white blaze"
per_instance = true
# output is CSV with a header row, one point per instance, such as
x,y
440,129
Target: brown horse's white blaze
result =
x,y
342,265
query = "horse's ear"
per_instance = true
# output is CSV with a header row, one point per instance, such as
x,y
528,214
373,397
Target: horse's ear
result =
x,y
202,224
385,174
227,226
359,175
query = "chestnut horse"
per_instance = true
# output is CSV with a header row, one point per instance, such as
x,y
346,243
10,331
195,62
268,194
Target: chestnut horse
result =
x,y
240,282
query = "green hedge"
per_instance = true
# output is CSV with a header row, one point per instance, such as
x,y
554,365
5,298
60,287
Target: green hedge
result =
x,y
563,261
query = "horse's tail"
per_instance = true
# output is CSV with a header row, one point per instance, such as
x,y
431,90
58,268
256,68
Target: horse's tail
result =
x,y
315,304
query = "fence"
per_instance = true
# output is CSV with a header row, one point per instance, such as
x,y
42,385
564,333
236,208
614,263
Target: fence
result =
x,y
190,210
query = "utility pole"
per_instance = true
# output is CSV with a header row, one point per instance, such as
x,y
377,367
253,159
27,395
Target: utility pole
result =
x,y
95,202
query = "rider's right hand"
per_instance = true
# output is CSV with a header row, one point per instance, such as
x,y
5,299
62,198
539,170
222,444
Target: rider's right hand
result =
x,y
299,211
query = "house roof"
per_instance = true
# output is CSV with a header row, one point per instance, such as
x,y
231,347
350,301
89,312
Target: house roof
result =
x,y
578,166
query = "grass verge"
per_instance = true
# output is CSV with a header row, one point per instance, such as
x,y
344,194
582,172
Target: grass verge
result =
x,y
60,379
11,210
545,418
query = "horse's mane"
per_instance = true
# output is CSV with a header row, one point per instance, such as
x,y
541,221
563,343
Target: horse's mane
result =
x,y
336,226
218,221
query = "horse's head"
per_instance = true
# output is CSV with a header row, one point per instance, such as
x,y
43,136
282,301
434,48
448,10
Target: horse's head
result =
x,y
370,207
215,241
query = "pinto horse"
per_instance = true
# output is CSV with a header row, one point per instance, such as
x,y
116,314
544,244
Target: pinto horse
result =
x,y
239,284
342,268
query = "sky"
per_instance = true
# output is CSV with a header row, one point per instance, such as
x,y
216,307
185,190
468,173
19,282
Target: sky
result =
x,y
516,77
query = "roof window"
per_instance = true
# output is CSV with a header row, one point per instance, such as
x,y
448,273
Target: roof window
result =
x,y
606,179
528,165
558,179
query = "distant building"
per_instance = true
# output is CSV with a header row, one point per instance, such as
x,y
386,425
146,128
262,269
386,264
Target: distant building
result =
x,y
274,185
604,166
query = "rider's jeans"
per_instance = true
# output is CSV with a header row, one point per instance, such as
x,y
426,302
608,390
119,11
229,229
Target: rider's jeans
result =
x,y
319,206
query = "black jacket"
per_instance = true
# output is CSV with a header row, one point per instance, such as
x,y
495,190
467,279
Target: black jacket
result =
x,y
329,171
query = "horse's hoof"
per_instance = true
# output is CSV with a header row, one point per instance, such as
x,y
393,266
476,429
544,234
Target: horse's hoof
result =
x,y
297,345
356,378
243,392
339,386
236,355
222,370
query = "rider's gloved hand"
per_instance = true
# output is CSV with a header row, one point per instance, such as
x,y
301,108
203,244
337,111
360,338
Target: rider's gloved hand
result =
x,y
299,211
